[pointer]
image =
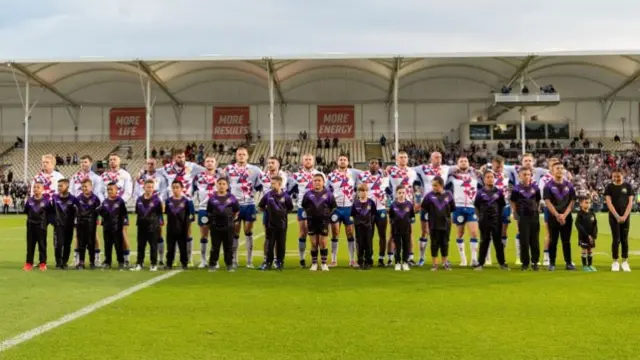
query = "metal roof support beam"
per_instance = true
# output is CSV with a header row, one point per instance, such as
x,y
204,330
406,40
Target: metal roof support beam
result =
x,y
271,73
43,83
521,69
397,65
153,76
628,81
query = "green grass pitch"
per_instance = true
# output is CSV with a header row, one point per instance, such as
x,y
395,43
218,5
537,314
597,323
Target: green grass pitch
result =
x,y
343,314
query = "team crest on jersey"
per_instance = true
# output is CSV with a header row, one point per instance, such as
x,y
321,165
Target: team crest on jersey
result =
x,y
532,190
228,201
405,209
624,191
325,197
282,200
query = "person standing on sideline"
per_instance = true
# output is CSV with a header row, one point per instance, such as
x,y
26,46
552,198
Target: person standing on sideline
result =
x,y
401,216
618,196
559,197
276,205
223,210
490,203
38,210
319,205
587,225
525,201
114,218
180,215
64,220
363,213
86,162
86,228
437,207
149,222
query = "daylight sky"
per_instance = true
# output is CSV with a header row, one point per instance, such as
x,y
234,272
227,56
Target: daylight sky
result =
x,y
52,29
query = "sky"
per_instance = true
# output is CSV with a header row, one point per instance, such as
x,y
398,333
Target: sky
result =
x,y
70,29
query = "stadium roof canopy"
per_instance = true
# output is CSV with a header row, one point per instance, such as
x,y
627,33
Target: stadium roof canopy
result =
x,y
328,79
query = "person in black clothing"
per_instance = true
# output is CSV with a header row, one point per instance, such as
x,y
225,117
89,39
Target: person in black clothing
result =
x,y
64,219
559,197
180,214
587,225
38,210
489,204
619,196
438,206
114,217
364,212
318,204
525,199
149,222
87,205
276,204
222,210
401,216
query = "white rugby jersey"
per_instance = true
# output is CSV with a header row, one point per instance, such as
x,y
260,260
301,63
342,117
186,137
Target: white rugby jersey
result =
x,y
185,174
547,178
96,181
160,187
426,174
537,174
265,180
402,176
204,186
378,185
343,186
242,181
49,182
122,179
303,180
464,186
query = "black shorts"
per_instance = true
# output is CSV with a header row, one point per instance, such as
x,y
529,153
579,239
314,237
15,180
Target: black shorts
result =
x,y
585,244
318,227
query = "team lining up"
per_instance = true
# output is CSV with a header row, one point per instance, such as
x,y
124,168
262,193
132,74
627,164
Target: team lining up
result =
x,y
478,200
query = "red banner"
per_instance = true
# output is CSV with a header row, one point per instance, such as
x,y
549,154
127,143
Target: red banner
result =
x,y
230,122
336,121
127,123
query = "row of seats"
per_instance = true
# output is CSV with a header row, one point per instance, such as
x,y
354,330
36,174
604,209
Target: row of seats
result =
x,y
355,148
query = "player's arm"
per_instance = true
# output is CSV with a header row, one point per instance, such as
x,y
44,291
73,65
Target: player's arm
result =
x,y
159,213
127,187
262,204
192,211
607,200
235,208
582,232
288,203
572,202
547,196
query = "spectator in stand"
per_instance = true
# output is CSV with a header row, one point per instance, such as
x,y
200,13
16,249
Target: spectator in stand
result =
x,y
538,144
300,136
154,153
581,135
383,140
75,158
294,150
259,135
512,144
319,144
616,138
586,143
544,144
335,142
304,135
162,152
600,145
327,143
519,144
68,159
130,154
221,148
261,161
10,176
287,149
201,148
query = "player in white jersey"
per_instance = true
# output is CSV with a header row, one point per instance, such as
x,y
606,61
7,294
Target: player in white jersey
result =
x,y
426,174
342,183
204,186
402,174
302,181
48,177
378,183
273,169
464,182
86,162
185,172
243,179
124,184
160,189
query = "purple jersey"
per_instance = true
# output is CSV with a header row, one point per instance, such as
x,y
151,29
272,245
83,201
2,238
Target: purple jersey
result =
x,y
559,194
64,210
114,214
438,207
363,212
489,204
319,204
38,211
401,216
180,214
276,207
526,199
87,209
222,210
149,211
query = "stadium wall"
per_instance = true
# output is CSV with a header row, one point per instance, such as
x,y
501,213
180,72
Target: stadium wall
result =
x,y
417,120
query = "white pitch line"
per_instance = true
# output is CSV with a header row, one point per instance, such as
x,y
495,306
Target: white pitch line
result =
x,y
28,335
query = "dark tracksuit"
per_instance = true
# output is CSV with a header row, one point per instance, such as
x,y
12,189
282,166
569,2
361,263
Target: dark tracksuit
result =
x,y
114,216
561,195
87,220
38,216
526,200
319,205
489,204
180,215
438,207
64,217
587,225
619,232
149,219
401,216
222,211
364,215
276,207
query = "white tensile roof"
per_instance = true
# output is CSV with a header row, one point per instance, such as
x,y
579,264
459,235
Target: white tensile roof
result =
x,y
325,79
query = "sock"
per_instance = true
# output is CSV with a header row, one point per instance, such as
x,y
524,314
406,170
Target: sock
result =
x,y
334,249
324,253
504,241
248,237
76,256
546,255
487,260
380,256
314,256
584,259
423,247
234,248
302,247
190,248
517,246
161,250
351,243
126,255
589,259
203,250
390,255
463,255
473,243
410,258
97,256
